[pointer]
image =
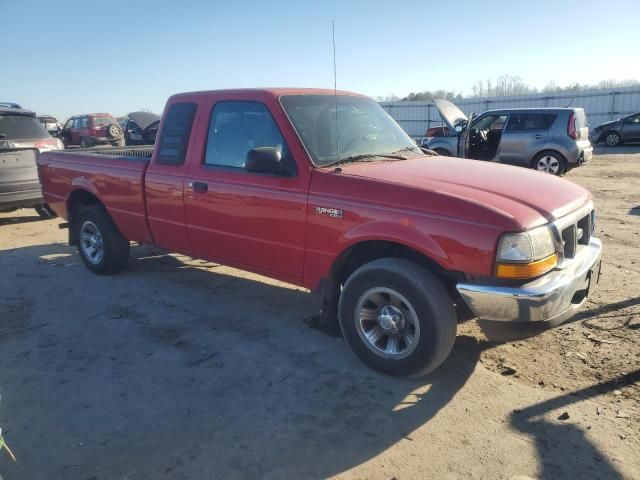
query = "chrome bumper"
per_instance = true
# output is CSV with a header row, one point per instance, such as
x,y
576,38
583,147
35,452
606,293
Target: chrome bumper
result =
x,y
552,298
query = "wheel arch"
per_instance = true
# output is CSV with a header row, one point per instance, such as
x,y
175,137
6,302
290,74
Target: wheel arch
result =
x,y
364,251
78,199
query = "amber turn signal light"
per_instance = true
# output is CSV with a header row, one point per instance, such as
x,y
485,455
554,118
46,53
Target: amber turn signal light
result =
x,y
526,270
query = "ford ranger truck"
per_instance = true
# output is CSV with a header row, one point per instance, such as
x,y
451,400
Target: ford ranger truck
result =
x,y
324,190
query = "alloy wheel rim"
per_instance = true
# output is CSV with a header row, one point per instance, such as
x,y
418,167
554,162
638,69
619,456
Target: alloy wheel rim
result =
x,y
549,164
612,139
91,242
387,323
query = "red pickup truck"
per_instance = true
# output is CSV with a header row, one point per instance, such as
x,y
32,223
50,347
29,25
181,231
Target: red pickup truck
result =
x,y
324,190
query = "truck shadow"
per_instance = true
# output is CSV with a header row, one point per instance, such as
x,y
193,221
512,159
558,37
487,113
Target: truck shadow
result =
x,y
179,371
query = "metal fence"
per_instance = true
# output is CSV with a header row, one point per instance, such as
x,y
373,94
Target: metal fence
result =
x,y
599,105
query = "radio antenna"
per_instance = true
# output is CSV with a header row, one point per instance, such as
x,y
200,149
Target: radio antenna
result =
x,y
335,90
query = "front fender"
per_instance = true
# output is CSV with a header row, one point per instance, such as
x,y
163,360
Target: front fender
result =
x,y
405,232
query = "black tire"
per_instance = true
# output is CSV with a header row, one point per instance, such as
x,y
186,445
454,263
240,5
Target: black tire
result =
x,y
84,143
429,300
442,152
44,212
547,155
612,138
115,248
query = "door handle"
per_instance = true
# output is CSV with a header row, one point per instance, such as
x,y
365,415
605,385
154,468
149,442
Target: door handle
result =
x,y
538,136
198,187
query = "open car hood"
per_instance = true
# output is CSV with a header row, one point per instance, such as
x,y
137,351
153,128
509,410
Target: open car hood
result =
x,y
144,119
451,115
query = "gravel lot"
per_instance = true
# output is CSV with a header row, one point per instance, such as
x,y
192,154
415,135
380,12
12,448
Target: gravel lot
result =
x,y
183,369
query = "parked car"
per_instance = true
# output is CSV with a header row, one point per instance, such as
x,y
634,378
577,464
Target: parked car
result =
x,y
50,124
551,140
616,132
22,137
91,130
140,128
387,237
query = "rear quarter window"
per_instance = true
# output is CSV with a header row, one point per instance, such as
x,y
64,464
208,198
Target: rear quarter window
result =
x,y
21,127
176,131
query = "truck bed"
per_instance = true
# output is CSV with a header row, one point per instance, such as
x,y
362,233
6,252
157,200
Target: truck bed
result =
x,y
115,176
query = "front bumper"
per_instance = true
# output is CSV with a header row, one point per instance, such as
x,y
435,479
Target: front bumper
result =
x,y
552,298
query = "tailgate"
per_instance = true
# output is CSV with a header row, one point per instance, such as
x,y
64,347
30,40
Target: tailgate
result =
x,y
18,170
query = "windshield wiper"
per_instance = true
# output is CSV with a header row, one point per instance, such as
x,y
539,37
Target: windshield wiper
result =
x,y
406,149
363,156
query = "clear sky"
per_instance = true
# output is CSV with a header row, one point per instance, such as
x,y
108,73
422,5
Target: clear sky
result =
x,y
67,57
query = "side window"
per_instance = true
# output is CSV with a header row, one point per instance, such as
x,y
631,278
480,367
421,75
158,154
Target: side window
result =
x,y
133,126
84,122
176,131
634,119
235,128
69,124
530,121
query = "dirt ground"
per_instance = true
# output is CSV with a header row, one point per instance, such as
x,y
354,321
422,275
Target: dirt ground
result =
x,y
183,369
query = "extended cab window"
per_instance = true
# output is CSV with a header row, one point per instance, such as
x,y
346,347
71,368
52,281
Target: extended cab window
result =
x,y
237,127
530,121
174,139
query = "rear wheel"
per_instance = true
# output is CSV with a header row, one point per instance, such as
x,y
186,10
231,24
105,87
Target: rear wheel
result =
x,y
101,246
612,139
397,317
550,162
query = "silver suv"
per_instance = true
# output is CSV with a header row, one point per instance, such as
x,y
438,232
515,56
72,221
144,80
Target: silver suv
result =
x,y
22,138
551,140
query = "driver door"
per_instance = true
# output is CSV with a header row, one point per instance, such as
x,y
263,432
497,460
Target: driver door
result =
x,y
255,220
65,135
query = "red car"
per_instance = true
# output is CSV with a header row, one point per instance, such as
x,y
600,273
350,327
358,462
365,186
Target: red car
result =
x,y
92,129
326,191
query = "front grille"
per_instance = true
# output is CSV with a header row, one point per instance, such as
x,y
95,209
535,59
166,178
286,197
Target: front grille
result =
x,y
576,235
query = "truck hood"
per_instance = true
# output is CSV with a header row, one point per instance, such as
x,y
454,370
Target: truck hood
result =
x,y
451,114
523,198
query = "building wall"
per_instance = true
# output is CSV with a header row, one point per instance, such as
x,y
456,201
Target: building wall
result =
x,y
599,105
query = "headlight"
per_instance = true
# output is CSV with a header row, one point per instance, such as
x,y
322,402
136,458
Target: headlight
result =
x,y
527,254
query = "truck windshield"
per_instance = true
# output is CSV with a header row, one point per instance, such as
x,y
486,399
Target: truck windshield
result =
x,y
361,129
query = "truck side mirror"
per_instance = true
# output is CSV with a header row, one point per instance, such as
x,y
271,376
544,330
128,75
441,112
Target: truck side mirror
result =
x,y
263,160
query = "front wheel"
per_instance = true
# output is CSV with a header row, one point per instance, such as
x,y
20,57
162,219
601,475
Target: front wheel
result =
x,y
612,139
101,246
397,317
